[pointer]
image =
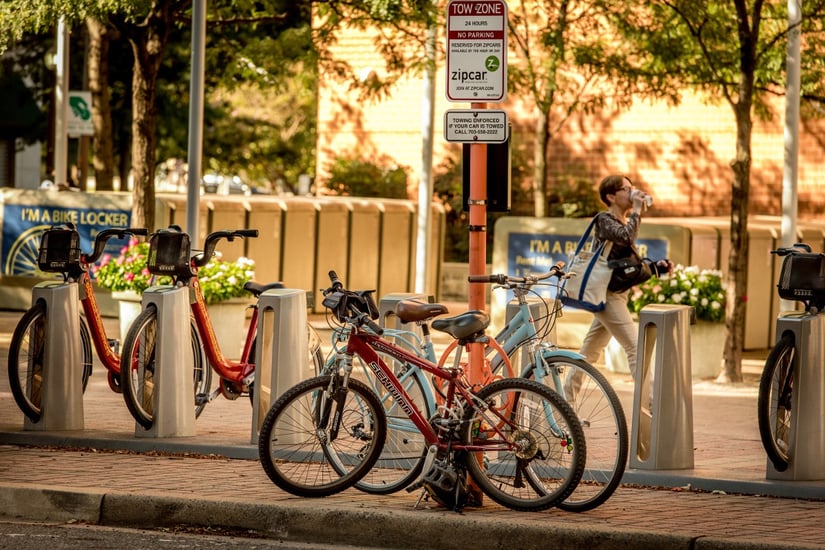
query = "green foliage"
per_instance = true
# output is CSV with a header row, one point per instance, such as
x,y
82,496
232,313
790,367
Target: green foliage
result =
x,y
702,289
363,178
221,280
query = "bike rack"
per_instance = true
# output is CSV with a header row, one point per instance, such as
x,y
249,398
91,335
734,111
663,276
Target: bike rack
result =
x,y
662,433
807,437
62,385
174,404
281,358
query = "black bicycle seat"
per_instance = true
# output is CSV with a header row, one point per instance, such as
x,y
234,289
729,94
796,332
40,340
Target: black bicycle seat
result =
x,y
463,326
415,310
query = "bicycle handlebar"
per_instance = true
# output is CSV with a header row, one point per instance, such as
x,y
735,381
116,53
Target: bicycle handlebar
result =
x,y
201,259
509,280
360,317
798,248
102,237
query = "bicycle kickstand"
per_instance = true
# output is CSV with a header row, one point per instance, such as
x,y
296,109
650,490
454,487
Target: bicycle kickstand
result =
x,y
432,451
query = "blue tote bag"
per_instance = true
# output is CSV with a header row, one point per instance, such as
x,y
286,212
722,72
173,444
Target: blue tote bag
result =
x,y
587,287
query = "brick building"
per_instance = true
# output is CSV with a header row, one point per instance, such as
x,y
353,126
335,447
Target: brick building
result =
x,y
681,154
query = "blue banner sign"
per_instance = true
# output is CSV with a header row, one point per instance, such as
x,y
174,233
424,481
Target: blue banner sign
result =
x,y
23,227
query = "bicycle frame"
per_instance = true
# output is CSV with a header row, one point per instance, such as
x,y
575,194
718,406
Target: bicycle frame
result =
x,y
107,355
367,346
235,371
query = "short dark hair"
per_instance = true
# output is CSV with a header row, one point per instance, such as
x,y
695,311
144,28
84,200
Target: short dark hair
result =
x,y
611,185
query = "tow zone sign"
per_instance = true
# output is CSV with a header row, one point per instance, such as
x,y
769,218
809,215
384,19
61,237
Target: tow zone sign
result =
x,y
476,50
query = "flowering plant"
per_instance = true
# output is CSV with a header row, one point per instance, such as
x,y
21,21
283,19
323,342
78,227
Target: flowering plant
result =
x,y
219,280
704,290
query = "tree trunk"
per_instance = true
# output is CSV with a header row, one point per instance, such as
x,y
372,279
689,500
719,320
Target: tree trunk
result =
x,y
737,279
148,45
540,165
103,159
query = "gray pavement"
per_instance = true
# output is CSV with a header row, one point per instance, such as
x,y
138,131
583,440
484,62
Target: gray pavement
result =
x,y
104,474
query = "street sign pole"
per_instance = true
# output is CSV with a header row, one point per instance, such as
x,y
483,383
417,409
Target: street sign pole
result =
x,y
477,72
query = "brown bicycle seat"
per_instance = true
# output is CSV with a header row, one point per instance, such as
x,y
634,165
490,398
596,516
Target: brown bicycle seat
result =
x,y
416,310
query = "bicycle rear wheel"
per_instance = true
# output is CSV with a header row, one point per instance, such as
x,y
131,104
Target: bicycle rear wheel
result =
x,y
602,417
299,441
137,367
775,401
27,357
535,447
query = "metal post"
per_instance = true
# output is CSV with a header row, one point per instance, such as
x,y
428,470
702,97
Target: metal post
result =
x,y
61,398
174,400
281,358
662,433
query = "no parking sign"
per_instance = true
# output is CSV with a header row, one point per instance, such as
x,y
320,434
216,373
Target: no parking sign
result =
x,y
477,50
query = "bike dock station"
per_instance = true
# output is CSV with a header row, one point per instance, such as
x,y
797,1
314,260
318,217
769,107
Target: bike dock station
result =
x,y
281,360
61,386
174,403
662,430
807,429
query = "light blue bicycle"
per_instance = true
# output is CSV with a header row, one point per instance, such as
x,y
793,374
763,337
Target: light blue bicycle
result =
x,y
583,386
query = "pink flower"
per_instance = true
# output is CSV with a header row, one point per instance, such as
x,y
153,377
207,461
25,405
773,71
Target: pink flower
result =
x,y
129,276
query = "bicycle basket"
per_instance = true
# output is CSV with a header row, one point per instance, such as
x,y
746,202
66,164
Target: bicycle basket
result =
x,y
342,303
169,254
802,277
59,250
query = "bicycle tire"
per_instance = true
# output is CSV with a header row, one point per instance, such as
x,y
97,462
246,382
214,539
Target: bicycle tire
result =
x,y
405,448
552,457
27,347
291,447
775,401
137,368
604,423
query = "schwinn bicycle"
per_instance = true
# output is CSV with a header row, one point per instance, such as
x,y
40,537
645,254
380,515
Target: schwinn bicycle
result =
x,y
60,253
170,255
583,385
519,441
800,280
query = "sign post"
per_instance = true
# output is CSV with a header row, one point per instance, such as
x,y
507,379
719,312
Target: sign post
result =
x,y
476,72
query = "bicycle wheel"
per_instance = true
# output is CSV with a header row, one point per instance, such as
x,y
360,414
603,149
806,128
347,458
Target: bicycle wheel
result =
x,y
27,356
402,457
137,368
775,401
549,451
602,417
299,441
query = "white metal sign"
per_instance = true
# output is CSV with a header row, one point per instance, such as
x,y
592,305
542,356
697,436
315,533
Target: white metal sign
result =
x,y
80,114
476,50
475,126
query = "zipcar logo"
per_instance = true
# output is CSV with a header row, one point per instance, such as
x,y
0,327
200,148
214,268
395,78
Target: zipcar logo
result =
x,y
464,76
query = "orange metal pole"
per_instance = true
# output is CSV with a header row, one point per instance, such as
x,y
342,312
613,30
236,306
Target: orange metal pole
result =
x,y
478,243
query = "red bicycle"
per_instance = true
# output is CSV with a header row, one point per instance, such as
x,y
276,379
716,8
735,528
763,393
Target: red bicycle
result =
x,y
170,255
60,253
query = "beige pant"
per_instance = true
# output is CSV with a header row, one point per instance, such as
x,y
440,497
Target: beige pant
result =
x,y
614,320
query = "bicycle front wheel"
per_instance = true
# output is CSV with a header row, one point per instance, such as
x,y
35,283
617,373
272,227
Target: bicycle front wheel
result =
x,y
138,362
602,417
775,401
27,358
316,424
534,447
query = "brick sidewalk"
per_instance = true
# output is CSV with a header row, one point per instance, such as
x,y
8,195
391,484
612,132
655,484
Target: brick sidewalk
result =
x,y
728,459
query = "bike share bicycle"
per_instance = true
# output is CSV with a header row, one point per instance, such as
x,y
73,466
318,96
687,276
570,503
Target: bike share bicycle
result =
x,y
60,252
520,442
583,385
170,255
802,279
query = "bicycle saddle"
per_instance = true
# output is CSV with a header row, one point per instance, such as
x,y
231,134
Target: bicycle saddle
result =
x,y
257,288
416,310
463,326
